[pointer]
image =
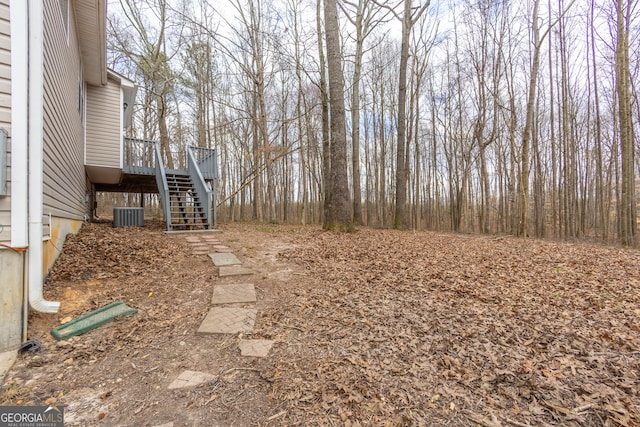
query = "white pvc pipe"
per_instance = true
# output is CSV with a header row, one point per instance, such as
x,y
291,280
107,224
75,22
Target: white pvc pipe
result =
x,y
36,126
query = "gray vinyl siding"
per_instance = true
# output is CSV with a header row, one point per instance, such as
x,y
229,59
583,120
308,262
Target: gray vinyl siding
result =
x,y
103,125
64,176
5,113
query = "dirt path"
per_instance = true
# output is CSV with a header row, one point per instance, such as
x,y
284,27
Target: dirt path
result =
x,y
373,328
119,374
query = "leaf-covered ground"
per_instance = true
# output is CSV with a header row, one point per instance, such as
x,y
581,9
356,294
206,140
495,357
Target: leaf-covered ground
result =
x,y
424,329
377,327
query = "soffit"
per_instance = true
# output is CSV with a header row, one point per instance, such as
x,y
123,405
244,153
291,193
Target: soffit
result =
x,y
92,27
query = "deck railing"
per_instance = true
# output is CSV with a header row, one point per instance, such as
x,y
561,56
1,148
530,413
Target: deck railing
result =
x,y
139,156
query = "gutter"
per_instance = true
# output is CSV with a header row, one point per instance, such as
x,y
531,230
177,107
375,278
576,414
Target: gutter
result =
x,y
36,126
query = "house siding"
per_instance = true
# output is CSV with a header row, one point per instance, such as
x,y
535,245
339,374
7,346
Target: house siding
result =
x,y
64,176
10,262
103,125
5,115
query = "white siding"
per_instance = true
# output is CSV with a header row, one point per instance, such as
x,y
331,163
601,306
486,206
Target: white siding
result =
x,y
5,113
103,125
64,176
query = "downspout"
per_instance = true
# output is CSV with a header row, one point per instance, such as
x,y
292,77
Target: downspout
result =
x,y
19,18
36,126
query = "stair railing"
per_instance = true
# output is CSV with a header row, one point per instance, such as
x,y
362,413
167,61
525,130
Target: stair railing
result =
x,y
206,158
163,187
200,186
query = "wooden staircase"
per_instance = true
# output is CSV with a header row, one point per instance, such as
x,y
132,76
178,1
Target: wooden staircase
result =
x,y
187,198
186,210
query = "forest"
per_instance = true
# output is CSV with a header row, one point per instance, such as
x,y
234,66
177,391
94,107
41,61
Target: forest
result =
x,y
517,117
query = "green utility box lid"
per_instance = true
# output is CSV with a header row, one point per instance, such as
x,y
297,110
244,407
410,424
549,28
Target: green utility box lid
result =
x,y
92,320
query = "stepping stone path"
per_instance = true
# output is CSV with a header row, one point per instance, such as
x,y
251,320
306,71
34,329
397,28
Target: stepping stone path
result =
x,y
225,258
233,270
228,320
190,379
204,245
229,294
255,348
229,315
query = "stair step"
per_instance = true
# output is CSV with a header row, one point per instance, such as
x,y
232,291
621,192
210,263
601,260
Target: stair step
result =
x,y
187,214
190,206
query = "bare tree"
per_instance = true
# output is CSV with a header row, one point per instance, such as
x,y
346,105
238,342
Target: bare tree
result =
x,y
150,57
628,220
339,215
364,22
409,17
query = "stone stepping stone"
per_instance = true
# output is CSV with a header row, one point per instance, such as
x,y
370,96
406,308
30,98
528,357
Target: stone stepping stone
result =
x,y
237,292
233,270
200,248
221,248
255,348
200,252
228,320
222,259
190,379
193,239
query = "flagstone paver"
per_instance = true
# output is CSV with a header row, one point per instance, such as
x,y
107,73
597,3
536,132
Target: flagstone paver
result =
x,y
223,259
234,293
211,239
228,320
233,270
255,348
190,379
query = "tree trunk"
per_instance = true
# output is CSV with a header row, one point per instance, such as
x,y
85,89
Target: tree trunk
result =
x,y
339,210
326,137
401,172
628,221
